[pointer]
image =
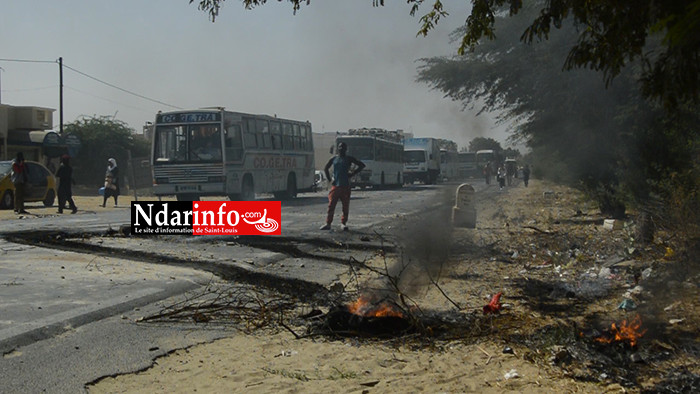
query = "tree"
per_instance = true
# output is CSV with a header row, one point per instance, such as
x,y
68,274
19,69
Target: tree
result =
x,y
483,143
511,153
664,35
612,142
103,137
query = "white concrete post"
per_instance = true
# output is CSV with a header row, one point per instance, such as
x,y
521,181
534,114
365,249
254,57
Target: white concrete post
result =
x,y
464,210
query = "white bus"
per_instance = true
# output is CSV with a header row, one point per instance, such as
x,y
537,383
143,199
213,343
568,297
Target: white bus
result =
x,y
486,156
214,152
449,165
383,159
467,165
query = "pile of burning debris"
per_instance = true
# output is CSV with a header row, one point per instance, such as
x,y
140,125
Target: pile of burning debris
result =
x,y
372,316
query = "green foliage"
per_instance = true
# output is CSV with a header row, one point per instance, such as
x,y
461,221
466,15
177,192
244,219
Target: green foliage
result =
x,y
612,143
483,143
103,137
663,163
212,7
662,35
510,153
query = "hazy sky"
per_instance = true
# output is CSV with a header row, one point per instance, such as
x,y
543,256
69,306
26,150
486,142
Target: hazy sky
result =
x,y
338,63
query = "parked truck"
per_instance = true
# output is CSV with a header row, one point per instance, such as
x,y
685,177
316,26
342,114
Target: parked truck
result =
x,y
421,160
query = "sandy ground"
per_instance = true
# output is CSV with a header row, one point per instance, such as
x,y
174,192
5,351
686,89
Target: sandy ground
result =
x,y
280,363
536,245
275,361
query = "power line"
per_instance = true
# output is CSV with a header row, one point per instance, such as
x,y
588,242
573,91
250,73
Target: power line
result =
x,y
27,61
93,78
118,88
106,99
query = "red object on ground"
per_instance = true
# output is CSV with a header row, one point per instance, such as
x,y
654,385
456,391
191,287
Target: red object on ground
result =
x,y
495,305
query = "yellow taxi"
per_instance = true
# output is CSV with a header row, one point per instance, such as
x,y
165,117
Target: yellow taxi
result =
x,y
41,185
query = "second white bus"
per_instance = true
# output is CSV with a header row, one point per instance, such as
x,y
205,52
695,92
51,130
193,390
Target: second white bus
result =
x,y
383,160
449,165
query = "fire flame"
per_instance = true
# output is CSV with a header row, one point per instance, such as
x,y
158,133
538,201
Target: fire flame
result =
x,y
625,333
365,307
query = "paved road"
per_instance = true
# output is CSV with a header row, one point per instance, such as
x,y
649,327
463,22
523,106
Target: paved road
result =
x,y
81,289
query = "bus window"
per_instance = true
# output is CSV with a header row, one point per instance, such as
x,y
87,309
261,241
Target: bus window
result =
x,y
309,138
360,149
249,133
263,132
304,138
234,145
205,143
297,137
170,144
276,133
287,136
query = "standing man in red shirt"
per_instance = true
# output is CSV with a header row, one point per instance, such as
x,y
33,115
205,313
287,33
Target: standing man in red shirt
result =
x,y
340,190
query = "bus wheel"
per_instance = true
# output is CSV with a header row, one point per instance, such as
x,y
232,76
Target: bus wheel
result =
x,y
291,185
8,200
247,190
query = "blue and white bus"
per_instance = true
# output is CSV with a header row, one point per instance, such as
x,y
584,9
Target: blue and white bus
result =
x,y
214,152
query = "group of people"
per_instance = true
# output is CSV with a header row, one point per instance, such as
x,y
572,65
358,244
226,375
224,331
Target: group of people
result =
x,y
64,175
344,168
503,174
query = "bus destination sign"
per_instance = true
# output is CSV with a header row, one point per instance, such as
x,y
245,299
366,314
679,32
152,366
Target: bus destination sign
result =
x,y
190,117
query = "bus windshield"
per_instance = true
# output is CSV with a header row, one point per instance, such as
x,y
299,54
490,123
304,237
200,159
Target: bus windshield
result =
x,y
188,143
413,156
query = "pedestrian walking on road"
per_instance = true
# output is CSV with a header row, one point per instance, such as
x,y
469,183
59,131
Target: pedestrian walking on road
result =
x,y
65,181
111,182
487,173
340,190
19,178
526,174
501,177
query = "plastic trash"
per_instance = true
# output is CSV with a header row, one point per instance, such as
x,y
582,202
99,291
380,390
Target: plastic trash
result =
x,y
627,305
512,374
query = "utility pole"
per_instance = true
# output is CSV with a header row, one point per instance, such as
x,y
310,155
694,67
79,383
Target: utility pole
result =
x,y
1,69
4,142
60,88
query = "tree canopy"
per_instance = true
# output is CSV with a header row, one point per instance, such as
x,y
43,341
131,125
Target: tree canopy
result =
x,y
103,137
612,142
664,35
